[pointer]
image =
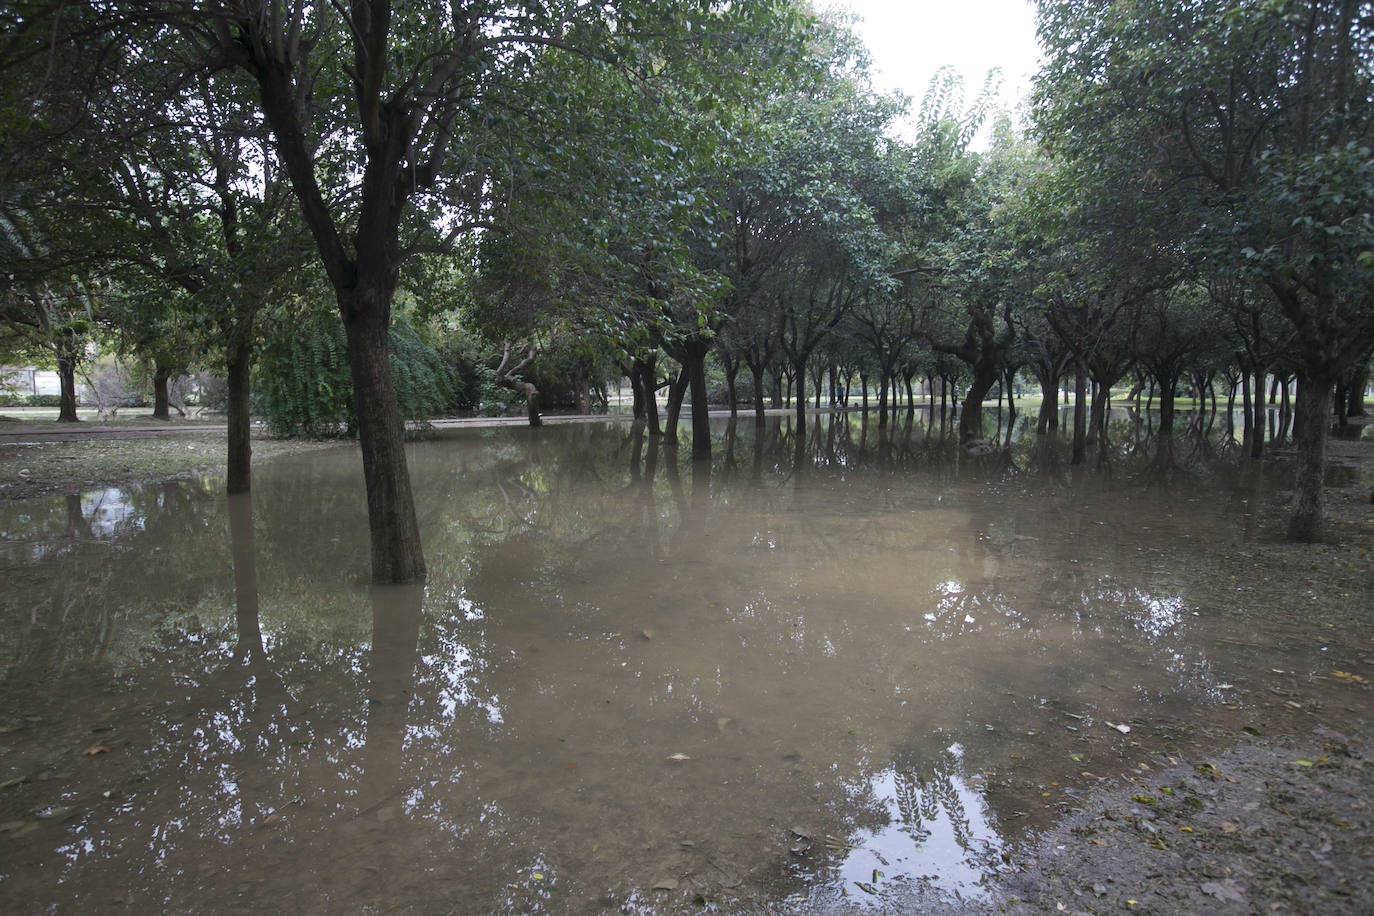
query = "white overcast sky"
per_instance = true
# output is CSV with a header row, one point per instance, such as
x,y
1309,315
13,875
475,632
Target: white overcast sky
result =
x,y
911,39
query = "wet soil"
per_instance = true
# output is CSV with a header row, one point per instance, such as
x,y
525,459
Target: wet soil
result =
x,y
40,459
1263,821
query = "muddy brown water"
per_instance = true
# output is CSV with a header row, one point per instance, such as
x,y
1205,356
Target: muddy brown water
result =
x,y
630,683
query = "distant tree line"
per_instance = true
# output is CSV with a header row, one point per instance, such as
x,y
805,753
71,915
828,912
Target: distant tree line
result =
x,y
386,211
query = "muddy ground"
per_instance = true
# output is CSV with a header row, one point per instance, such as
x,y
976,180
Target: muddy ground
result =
x,y
47,458
1250,822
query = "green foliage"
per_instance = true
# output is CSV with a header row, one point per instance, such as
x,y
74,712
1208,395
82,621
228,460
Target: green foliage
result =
x,y
9,399
305,389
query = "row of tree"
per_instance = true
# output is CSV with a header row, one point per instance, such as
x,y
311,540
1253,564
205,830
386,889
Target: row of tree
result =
x,y
641,185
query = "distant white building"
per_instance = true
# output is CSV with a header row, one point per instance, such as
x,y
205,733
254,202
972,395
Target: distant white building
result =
x,y
26,380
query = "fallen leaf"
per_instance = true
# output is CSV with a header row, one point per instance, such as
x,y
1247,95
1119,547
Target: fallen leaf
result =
x,y
678,757
96,749
667,884
1347,676
1124,729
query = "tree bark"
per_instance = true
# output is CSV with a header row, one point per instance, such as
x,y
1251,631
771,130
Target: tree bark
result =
x,y
66,374
1310,422
676,391
507,377
240,445
971,415
648,376
395,533
756,371
161,376
1257,441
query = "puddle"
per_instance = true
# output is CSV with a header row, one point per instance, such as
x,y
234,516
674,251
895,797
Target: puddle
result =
x,y
628,684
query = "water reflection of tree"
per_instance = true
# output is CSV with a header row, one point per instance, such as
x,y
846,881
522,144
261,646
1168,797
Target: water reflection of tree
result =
x,y
924,788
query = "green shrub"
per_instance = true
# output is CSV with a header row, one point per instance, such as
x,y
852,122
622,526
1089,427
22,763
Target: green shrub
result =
x,y
304,387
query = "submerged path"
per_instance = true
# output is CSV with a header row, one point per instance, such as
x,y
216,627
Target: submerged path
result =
x,y
15,431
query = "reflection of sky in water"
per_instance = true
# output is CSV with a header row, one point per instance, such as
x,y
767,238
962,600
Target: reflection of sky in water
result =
x,y
939,838
109,511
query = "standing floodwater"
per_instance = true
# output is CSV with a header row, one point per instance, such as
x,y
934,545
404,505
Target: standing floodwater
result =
x,y
630,682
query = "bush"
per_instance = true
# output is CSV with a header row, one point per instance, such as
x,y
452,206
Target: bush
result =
x,y
305,389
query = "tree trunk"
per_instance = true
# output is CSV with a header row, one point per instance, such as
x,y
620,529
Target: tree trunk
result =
x,y
1257,441
731,373
882,401
66,374
1359,381
1166,406
971,416
161,375
1080,416
676,391
648,373
701,411
756,371
395,533
1097,421
1310,423
240,447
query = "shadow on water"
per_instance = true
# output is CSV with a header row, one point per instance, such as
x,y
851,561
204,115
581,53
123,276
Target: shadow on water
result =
x,y
845,667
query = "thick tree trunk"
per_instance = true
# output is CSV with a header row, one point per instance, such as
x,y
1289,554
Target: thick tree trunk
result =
x,y
66,375
1166,406
240,446
701,411
971,416
1097,420
1257,441
636,393
161,376
1310,424
395,533
676,391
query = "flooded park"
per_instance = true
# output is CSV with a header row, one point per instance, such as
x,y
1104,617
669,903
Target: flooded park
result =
x,y
853,670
